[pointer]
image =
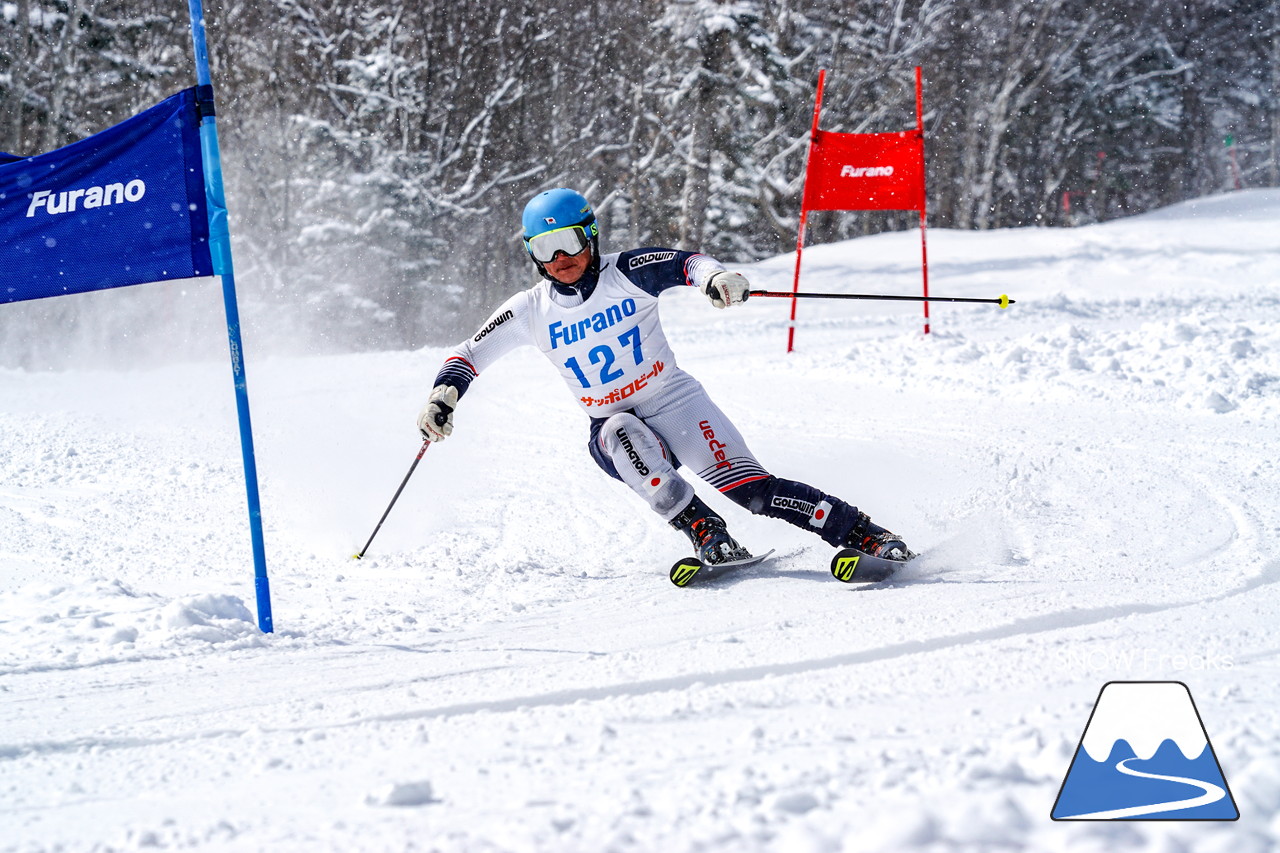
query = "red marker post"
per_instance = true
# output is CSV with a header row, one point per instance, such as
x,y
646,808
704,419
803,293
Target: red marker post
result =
x,y
1230,142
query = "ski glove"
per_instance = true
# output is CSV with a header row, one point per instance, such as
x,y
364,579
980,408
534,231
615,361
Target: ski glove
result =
x,y
726,288
436,419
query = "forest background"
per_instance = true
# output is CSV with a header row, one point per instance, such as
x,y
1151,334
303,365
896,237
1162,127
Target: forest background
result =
x,y
378,154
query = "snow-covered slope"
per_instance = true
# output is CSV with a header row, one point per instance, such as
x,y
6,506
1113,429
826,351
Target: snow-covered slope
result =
x,y
1091,476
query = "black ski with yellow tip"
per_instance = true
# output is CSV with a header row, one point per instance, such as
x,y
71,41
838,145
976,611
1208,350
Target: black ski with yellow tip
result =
x,y
684,571
853,566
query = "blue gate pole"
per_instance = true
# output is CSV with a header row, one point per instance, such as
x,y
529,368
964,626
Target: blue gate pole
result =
x,y
220,249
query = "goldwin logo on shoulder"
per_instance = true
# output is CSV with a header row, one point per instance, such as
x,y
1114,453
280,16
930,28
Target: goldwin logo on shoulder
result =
x,y
649,258
65,201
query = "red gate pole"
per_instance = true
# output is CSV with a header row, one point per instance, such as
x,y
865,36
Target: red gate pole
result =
x,y
924,246
795,284
804,211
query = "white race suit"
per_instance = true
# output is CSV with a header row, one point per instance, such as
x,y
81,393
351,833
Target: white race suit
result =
x,y
648,416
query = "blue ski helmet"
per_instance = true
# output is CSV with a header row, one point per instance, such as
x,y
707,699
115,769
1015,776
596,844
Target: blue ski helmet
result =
x,y
558,210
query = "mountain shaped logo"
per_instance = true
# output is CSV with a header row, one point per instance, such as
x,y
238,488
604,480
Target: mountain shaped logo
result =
x,y
1145,755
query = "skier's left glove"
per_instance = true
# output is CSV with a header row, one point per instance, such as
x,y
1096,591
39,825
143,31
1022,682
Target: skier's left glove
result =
x,y
726,288
436,418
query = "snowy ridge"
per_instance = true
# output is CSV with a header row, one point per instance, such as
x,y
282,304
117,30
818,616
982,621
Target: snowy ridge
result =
x,y
1091,478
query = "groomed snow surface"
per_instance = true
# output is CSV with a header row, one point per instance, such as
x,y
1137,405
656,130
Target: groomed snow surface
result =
x,y
1090,475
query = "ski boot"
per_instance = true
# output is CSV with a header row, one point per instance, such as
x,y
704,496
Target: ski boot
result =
x,y
873,540
870,554
708,533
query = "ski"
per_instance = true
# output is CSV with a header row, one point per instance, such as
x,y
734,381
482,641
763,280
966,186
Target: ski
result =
x,y
684,571
849,565
853,566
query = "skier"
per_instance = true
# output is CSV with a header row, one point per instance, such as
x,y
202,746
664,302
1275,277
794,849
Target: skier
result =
x,y
596,318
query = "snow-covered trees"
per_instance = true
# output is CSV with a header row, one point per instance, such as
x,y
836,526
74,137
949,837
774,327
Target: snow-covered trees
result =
x,y
378,153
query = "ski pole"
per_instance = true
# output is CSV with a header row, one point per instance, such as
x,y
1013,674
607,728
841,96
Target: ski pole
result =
x,y
1004,301
416,460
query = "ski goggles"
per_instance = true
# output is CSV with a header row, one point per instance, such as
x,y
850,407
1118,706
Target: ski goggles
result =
x,y
571,241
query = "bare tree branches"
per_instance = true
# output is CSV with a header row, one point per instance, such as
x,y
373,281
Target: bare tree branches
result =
x,y
378,154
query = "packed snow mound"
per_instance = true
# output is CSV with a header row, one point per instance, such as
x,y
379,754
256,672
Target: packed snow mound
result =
x,y
1261,205
1200,361
101,620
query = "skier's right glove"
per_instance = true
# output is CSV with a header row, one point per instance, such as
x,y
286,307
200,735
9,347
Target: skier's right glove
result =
x,y
436,418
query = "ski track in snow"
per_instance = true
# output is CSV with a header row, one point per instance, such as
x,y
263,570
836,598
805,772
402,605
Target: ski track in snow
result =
x,y
1090,476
